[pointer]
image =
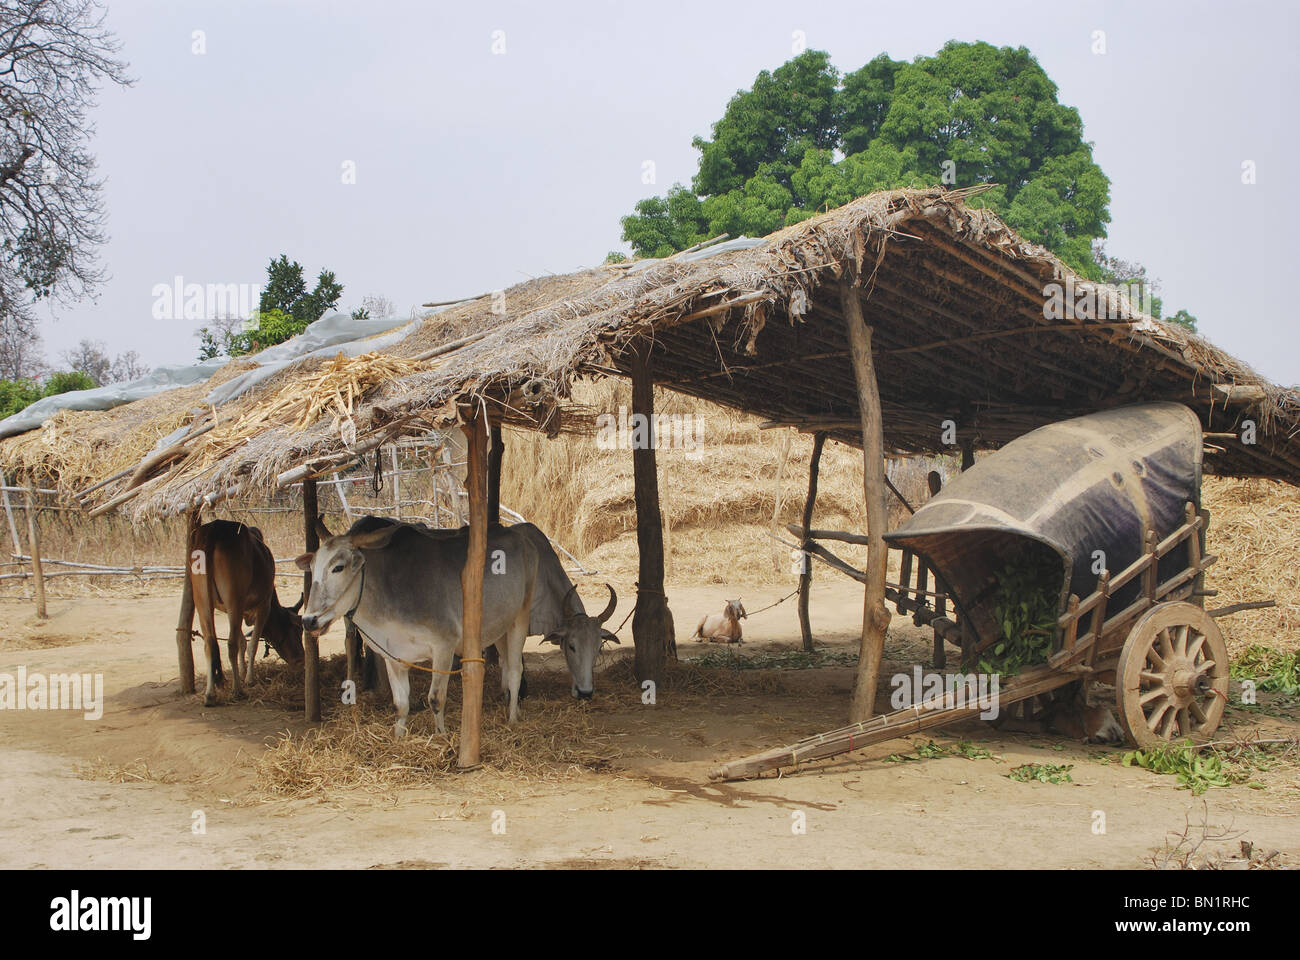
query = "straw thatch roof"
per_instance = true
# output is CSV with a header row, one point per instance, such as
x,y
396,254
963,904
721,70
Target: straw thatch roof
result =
x,y
954,297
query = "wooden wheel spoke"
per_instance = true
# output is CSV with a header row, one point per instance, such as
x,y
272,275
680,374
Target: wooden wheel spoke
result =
x,y
1160,649
1184,721
1155,718
1153,694
1198,712
1180,638
1194,648
1167,722
1203,668
1150,676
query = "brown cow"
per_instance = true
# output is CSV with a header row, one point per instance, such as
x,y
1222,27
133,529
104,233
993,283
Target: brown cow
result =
x,y
232,570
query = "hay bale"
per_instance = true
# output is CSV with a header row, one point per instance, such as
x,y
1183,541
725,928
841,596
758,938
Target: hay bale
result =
x,y
1255,531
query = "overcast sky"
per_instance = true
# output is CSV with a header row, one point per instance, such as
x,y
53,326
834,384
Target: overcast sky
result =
x,y
475,170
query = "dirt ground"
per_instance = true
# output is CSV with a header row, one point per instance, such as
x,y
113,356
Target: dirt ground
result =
x,y
127,789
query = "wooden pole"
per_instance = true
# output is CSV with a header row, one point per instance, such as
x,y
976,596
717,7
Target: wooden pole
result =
x,y
652,623
185,619
495,456
805,577
471,590
967,454
310,643
9,515
875,616
34,548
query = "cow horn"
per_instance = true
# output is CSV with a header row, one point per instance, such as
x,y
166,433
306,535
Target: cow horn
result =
x,y
564,604
609,607
322,531
298,606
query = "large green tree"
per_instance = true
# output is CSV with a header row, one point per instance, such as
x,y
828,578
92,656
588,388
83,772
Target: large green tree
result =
x,y
285,309
805,139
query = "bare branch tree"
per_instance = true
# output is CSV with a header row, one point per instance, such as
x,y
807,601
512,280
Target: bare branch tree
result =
x,y
89,358
21,350
53,56
128,366
378,307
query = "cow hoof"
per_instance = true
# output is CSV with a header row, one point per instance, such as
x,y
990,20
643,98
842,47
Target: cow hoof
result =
x,y
399,731
209,700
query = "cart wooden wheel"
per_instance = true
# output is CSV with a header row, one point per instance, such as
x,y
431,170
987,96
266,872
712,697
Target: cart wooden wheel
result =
x,y
1172,678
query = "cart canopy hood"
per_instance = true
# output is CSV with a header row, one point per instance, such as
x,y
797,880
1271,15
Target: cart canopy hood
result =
x,y
1064,491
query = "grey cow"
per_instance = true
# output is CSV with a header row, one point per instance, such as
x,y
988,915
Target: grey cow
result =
x,y
559,616
401,587
557,612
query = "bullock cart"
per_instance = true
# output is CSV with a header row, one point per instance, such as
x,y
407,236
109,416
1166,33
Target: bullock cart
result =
x,y
1112,500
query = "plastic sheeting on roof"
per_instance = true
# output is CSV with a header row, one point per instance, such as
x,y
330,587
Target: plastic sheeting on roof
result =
x,y
331,334
726,246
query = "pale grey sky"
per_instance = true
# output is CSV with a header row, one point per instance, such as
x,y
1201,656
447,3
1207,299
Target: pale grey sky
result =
x,y
475,170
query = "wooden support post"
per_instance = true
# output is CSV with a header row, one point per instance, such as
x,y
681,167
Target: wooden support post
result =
x,y
185,619
352,650
9,515
471,590
652,623
967,454
310,642
805,578
495,455
875,615
34,548
905,583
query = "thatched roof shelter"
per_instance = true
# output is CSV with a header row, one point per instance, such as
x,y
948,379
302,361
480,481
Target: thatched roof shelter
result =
x,y
956,301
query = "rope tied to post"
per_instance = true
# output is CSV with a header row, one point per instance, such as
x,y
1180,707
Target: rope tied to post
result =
x,y
415,666
778,603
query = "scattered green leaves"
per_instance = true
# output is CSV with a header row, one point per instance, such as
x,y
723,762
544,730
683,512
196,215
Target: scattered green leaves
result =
x,y
1196,771
1042,773
934,751
781,659
1270,669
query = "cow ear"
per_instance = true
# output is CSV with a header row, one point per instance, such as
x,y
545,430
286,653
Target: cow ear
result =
x,y
375,539
606,636
304,562
298,606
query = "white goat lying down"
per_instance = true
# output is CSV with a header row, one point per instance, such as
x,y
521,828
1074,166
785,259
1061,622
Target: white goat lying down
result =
x,y
721,627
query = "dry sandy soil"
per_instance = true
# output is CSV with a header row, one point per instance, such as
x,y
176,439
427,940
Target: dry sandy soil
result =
x,y
124,790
